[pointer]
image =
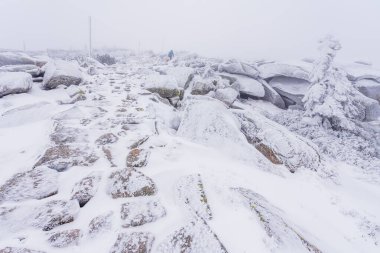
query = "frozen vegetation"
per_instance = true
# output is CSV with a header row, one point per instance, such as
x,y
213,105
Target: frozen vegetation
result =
x,y
138,153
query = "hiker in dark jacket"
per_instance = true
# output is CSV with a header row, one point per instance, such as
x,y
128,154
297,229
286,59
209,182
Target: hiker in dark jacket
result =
x,y
171,54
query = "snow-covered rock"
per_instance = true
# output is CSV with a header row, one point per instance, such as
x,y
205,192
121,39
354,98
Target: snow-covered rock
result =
x,y
100,224
19,250
356,72
130,183
10,58
272,96
137,157
33,70
197,236
277,143
202,88
269,70
240,68
190,191
135,242
38,183
64,135
282,235
107,138
61,72
85,189
292,90
54,213
140,212
164,85
369,88
62,157
14,83
249,86
226,95
65,238
181,74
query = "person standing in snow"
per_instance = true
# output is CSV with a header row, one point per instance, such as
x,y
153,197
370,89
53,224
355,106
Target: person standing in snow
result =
x,y
171,54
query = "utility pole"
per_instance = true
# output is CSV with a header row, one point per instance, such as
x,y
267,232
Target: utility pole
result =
x,y
90,39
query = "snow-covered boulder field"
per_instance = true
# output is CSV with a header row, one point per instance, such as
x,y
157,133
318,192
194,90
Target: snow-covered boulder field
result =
x,y
189,155
14,83
61,72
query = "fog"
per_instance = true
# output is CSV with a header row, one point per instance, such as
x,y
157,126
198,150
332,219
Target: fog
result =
x,y
246,29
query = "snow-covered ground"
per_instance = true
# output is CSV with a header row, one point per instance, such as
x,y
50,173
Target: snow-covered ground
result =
x,y
196,181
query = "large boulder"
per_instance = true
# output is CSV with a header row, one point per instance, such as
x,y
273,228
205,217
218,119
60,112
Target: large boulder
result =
x,y
38,183
181,74
226,95
270,70
65,238
34,70
202,87
369,88
14,82
236,67
357,71
164,85
292,90
61,72
272,96
277,144
11,58
248,86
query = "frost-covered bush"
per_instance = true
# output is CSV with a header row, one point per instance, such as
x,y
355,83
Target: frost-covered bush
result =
x,y
106,59
358,148
332,100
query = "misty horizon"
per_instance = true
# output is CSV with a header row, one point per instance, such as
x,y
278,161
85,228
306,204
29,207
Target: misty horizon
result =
x,y
249,30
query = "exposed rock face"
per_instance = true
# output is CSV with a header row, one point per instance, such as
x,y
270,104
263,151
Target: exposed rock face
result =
x,y
18,250
236,67
278,144
197,236
54,213
38,183
137,157
85,189
227,95
62,157
138,213
108,138
100,224
14,83
135,242
61,72
190,191
130,183
272,96
65,238
202,88
164,85
139,142
282,234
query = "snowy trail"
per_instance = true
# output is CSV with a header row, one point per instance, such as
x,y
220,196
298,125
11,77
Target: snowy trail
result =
x,y
178,192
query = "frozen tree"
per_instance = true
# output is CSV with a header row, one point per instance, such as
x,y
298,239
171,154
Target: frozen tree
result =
x,y
332,101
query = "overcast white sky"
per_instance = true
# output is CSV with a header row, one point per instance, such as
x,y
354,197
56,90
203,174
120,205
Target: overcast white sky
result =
x,y
246,29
